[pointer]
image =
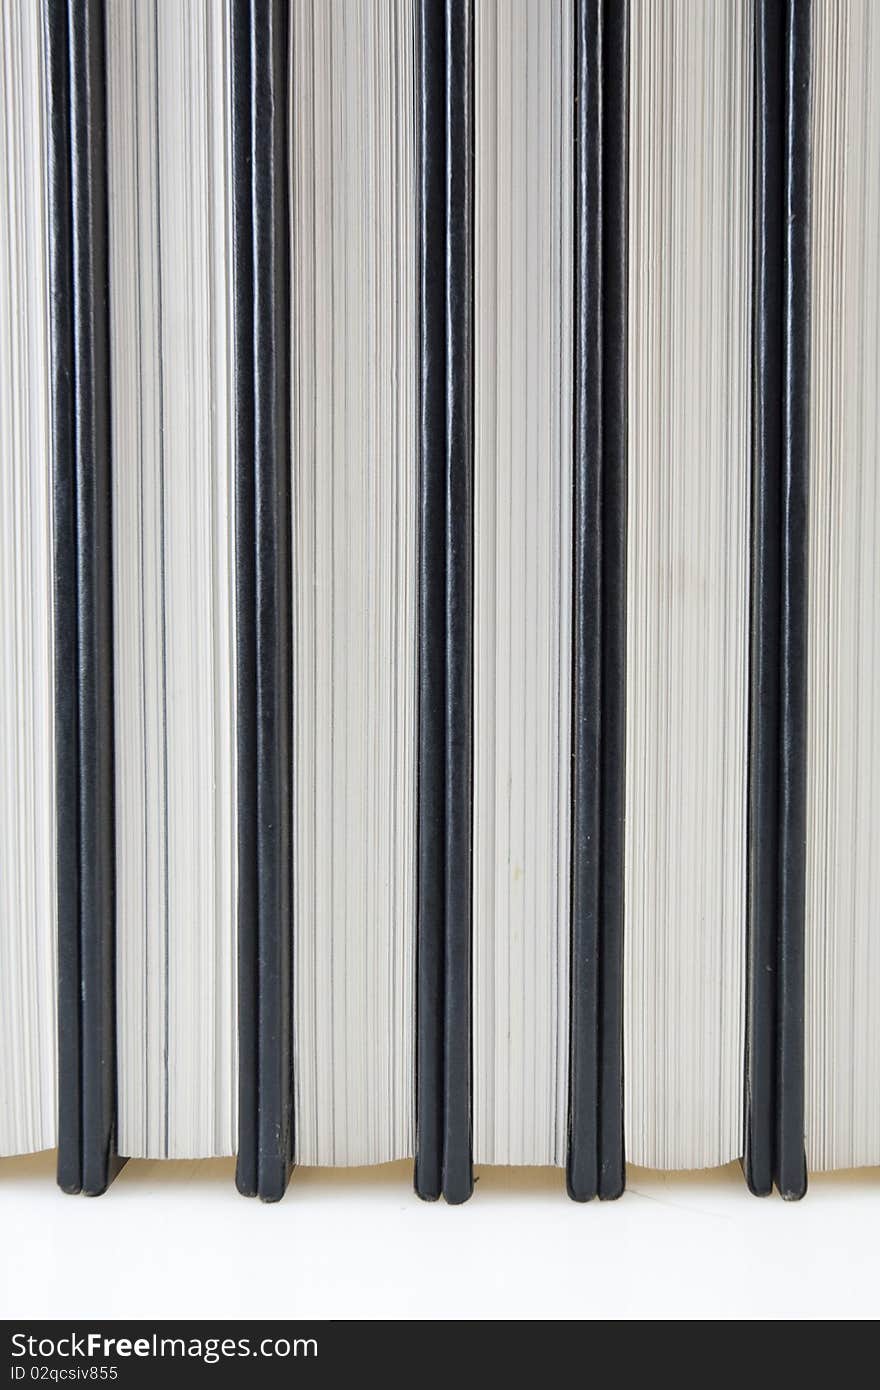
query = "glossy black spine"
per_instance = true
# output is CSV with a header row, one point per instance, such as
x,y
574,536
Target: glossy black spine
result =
x,y
83,599
261,329
595,1160
445,57
774,1079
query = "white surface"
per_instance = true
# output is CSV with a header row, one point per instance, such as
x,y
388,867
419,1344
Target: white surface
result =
x,y
176,1240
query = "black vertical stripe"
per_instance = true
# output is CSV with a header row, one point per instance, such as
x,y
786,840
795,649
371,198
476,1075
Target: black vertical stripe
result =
x,y
615,262
445,60
595,1164
790,1159
271,243
95,577
763,796
457,1172
261,240
432,604
583,1146
245,596
774,1090
80,390
66,626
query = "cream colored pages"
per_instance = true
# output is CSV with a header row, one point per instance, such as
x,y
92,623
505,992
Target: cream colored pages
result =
x,y
355,488
690,258
522,583
173,575
27,746
843,748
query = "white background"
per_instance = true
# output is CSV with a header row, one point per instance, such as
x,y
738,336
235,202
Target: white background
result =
x,y
176,1240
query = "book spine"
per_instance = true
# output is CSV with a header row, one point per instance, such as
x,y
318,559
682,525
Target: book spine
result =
x,y
774,1121
83,617
595,1160
445,61
261,241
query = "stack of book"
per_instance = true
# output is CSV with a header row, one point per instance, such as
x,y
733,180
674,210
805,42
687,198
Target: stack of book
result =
x,y
439,586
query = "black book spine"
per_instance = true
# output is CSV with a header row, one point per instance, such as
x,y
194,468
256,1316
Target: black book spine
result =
x,y
80,410
595,1162
264,694
774,1121
445,61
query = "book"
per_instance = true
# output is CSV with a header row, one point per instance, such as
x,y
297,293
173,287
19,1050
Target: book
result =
x,y
28,958
842,972
169,223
